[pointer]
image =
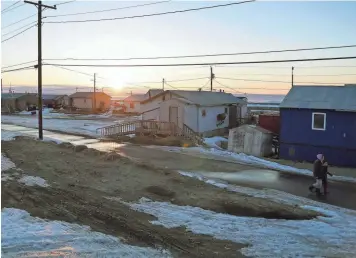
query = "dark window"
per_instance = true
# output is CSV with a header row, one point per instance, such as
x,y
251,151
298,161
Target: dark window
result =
x,y
132,105
225,110
319,121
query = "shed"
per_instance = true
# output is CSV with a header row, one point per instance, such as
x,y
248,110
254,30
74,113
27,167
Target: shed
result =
x,y
11,102
319,119
85,100
250,139
204,112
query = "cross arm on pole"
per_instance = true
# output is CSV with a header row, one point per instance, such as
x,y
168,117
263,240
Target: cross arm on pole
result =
x,y
42,5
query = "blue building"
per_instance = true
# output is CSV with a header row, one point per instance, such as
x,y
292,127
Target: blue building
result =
x,y
319,119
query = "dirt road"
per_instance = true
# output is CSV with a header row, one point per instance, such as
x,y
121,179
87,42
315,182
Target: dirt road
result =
x,y
82,182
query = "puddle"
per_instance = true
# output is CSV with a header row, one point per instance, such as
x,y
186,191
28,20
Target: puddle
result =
x,y
61,137
245,176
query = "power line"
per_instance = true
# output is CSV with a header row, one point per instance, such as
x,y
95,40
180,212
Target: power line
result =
x,y
251,80
299,75
32,23
10,6
75,71
107,10
67,2
19,33
15,7
19,21
224,85
206,55
212,63
18,69
171,86
221,84
153,14
19,64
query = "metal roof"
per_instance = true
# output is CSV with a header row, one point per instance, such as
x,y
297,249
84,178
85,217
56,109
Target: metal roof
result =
x,y
321,97
203,98
15,95
82,94
135,98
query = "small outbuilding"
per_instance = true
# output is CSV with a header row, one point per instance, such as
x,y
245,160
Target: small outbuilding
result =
x,y
53,101
86,100
250,139
319,119
11,102
133,103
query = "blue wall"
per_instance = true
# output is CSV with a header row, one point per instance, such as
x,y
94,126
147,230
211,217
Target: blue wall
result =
x,y
297,134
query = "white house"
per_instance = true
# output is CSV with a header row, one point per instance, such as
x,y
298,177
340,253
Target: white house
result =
x,y
205,112
133,103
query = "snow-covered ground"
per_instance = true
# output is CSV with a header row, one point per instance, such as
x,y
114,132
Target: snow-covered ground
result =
x,y
331,235
25,236
215,142
85,127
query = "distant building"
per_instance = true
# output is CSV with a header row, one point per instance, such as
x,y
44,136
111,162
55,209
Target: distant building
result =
x,y
85,100
205,112
133,103
55,100
11,102
319,119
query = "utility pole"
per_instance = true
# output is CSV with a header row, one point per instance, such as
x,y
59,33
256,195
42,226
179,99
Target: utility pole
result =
x,y
292,76
163,84
94,102
39,6
212,76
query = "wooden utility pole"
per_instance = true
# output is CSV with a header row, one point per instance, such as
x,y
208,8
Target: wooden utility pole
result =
x,y
212,76
292,76
39,6
163,84
94,98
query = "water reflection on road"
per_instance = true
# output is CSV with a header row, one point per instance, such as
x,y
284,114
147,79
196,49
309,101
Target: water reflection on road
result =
x,y
246,176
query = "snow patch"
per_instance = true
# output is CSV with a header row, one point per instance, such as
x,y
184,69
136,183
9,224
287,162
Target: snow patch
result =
x,y
33,181
325,236
27,236
215,142
6,163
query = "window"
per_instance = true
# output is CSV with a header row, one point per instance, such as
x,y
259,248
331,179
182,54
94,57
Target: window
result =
x,y
132,105
85,100
225,110
318,121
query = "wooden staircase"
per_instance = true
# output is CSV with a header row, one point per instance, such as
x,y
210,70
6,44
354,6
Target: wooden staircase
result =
x,y
150,127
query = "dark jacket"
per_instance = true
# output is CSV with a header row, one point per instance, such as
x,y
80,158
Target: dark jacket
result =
x,y
318,169
325,171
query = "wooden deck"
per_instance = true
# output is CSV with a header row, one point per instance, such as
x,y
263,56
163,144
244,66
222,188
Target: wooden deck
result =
x,y
150,128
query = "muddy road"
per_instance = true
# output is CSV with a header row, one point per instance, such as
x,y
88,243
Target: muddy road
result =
x,y
89,187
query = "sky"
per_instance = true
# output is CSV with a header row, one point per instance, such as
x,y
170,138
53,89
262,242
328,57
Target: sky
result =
x,y
257,26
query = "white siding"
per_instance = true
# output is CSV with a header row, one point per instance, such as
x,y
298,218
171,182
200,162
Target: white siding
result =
x,y
135,109
164,111
209,121
153,114
191,116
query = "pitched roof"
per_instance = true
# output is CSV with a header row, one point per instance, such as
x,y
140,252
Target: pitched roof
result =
x,y
205,98
321,97
82,94
15,95
135,98
153,92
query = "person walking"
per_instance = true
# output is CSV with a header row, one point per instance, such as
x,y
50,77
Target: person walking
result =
x,y
325,175
318,174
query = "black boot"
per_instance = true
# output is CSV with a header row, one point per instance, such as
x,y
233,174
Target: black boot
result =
x,y
318,193
311,188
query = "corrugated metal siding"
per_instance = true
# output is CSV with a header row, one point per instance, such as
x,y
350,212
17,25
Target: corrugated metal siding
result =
x,y
270,122
299,142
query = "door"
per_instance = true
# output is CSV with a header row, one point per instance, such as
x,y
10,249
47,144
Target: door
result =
x,y
173,115
232,116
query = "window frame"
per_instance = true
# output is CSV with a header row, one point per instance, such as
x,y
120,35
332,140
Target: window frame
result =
x,y
319,129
